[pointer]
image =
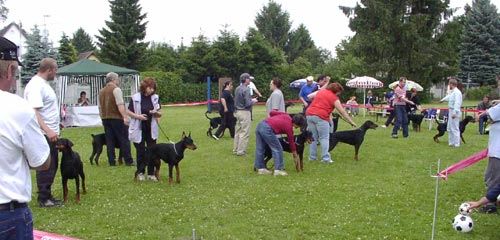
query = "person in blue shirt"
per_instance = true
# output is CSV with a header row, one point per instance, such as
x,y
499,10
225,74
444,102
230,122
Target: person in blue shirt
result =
x,y
307,89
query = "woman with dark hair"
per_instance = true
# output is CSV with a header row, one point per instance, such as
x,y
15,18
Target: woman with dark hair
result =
x,y
318,118
265,135
276,102
83,100
143,110
226,111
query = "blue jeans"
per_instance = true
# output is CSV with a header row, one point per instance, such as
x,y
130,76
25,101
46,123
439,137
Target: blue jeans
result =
x,y
401,120
321,131
265,136
482,120
16,224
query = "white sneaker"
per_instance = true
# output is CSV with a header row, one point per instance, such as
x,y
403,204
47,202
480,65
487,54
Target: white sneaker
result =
x,y
263,171
327,161
280,173
140,177
384,126
152,178
215,137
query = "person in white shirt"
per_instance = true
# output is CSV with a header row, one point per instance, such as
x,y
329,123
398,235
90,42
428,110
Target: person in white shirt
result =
x,y
22,145
43,99
454,113
492,173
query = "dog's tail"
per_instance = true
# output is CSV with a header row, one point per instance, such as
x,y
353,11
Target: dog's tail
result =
x,y
206,115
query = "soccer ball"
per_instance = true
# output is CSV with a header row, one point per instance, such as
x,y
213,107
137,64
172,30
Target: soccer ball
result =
x,y
463,223
464,209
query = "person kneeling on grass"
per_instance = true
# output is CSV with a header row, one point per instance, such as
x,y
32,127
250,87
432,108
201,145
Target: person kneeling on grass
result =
x,y
492,196
265,135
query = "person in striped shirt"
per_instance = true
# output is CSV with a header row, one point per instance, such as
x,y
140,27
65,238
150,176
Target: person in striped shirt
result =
x,y
399,103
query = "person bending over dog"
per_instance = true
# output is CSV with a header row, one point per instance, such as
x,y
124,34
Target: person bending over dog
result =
x,y
265,135
318,118
144,111
226,111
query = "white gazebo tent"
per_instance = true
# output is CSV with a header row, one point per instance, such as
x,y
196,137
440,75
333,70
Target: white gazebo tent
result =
x,y
93,74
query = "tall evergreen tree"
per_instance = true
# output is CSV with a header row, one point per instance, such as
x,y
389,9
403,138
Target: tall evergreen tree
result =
x,y
120,42
480,48
274,24
67,52
82,41
38,47
225,50
298,42
396,38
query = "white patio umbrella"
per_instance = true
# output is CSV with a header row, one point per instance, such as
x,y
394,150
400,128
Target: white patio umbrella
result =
x,y
409,85
364,82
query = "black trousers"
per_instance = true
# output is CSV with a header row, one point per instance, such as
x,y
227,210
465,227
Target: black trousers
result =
x,y
392,114
45,179
228,121
117,136
140,149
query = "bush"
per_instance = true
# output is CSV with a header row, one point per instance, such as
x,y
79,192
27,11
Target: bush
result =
x,y
172,89
479,93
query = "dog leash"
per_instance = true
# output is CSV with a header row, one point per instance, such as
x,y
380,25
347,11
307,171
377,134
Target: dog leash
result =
x,y
163,132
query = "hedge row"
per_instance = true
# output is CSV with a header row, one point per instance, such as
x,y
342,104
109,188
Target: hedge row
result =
x,y
172,89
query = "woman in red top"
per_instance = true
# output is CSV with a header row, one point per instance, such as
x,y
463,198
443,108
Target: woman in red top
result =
x,y
318,118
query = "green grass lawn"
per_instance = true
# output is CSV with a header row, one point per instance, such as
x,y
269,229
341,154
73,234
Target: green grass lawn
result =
x,y
387,194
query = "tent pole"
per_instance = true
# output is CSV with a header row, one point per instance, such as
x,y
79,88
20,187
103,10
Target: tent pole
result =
x,y
364,102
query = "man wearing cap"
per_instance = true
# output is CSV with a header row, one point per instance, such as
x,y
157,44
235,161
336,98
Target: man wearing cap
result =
x,y
243,102
22,145
307,89
43,99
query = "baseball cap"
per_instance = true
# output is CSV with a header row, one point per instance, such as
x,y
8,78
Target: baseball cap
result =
x,y
245,76
309,78
8,50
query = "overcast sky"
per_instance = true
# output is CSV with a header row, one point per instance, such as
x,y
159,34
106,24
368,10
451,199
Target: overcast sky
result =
x,y
172,21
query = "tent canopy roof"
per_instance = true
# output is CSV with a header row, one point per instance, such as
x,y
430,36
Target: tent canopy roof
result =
x,y
89,67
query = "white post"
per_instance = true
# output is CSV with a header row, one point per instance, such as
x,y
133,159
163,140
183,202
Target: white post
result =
x,y
364,102
435,201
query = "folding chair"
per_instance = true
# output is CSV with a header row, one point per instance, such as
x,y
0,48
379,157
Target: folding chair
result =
x,y
430,116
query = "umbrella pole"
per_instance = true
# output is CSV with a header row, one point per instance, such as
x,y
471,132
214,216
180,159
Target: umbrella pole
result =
x,y
364,102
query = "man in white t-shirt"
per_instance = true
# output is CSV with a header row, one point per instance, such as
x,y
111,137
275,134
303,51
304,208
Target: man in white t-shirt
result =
x,y
43,99
22,145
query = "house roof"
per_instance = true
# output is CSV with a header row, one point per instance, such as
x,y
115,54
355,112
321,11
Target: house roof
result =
x,y
13,24
85,55
89,67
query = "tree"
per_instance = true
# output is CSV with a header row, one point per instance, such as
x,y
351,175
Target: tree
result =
x,y
3,10
195,62
397,38
274,24
38,47
298,42
82,41
159,57
67,51
225,50
480,50
120,42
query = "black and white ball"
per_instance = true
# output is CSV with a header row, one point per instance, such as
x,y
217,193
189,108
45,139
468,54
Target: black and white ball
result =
x,y
464,209
462,223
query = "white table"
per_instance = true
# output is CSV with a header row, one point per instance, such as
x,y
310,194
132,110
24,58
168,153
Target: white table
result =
x,y
84,116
